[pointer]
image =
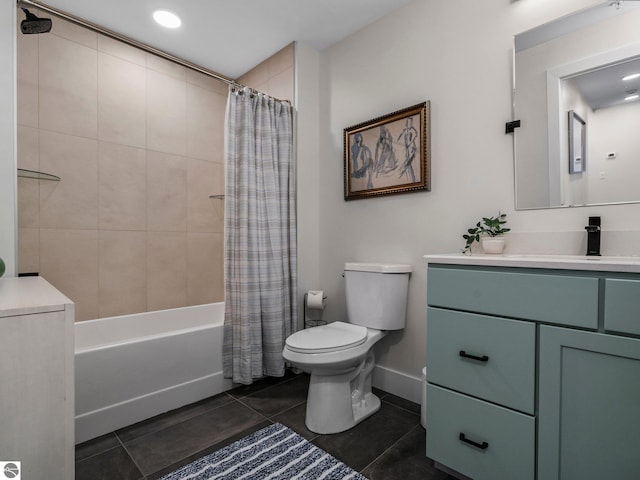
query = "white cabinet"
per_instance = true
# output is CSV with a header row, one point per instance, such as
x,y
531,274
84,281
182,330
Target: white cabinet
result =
x,y
36,378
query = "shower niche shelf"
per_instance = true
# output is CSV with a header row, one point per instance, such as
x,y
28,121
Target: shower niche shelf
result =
x,y
37,175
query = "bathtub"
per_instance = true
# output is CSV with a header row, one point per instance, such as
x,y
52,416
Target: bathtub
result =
x,y
132,367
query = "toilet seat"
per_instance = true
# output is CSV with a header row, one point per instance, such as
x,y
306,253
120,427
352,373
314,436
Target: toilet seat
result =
x,y
328,338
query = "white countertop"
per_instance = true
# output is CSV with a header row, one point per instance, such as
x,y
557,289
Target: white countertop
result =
x,y
566,262
26,295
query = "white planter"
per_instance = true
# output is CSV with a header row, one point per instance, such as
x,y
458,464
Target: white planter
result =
x,y
493,245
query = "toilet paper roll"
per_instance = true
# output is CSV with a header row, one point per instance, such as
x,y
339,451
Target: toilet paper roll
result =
x,y
315,300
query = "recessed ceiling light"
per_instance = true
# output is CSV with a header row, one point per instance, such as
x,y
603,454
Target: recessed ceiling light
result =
x,y
633,76
635,96
167,19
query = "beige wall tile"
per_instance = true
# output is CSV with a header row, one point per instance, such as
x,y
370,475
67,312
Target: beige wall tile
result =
x,y
121,50
166,192
68,93
28,203
281,85
122,272
256,77
28,250
165,66
71,31
205,123
28,148
166,270
281,60
205,267
122,187
166,113
69,260
206,81
73,201
27,79
130,227
121,101
204,179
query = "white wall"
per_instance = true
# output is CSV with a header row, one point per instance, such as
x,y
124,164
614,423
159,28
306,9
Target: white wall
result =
x,y
8,136
614,129
307,108
457,54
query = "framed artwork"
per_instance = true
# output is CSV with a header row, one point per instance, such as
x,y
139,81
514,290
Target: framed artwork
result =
x,y
577,143
389,154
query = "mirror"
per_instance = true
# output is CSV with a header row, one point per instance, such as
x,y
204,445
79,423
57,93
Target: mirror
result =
x,y
576,95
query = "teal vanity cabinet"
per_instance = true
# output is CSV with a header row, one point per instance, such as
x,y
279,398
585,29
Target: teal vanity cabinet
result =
x,y
533,367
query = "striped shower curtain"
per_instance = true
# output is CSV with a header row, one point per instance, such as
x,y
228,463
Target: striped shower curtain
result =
x,y
260,235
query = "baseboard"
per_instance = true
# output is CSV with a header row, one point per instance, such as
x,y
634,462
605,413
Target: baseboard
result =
x,y
398,383
98,422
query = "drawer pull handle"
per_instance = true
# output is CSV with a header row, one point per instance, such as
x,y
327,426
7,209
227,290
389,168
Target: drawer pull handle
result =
x,y
481,446
483,358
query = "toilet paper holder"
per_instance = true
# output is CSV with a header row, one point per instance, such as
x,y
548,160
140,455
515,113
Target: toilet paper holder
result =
x,y
309,322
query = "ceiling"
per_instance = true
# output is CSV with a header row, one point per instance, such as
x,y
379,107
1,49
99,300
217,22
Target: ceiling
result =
x,y
603,87
231,37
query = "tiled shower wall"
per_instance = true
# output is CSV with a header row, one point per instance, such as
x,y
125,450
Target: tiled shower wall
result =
x,y
138,144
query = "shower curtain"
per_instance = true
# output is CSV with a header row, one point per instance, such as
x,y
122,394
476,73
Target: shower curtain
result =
x,y
260,235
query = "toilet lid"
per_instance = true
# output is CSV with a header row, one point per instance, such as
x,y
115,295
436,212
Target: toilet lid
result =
x,y
327,338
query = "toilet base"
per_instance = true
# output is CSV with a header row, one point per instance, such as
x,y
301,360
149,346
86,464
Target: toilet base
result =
x,y
336,403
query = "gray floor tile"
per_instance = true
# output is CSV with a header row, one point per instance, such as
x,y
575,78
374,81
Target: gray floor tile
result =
x,y
294,419
95,446
401,402
109,465
266,382
278,398
405,460
207,451
390,444
172,417
361,445
165,447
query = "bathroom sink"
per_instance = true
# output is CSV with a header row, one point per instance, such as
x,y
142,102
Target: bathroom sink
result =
x,y
609,263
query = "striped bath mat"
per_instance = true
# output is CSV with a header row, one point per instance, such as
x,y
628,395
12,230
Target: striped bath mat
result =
x,y
275,452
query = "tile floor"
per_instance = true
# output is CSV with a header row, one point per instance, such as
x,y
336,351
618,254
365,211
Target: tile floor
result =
x,y
387,445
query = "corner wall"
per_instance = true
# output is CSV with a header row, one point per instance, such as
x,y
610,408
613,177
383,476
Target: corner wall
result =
x,y
8,200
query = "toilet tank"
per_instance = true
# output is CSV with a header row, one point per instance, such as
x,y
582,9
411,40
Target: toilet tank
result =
x,y
376,294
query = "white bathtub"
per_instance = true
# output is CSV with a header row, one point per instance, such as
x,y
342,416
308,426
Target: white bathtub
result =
x,y
133,367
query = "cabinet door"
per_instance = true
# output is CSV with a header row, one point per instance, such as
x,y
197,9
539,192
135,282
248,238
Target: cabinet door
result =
x,y
35,411
589,406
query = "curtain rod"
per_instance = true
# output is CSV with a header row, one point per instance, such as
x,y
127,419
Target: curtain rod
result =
x,y
123,38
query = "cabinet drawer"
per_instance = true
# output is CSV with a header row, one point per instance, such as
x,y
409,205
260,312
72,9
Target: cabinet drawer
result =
x,y
561,299
622,305
509,450
504,371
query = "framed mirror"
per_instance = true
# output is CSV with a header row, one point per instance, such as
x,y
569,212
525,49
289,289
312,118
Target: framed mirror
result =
x,y
576,87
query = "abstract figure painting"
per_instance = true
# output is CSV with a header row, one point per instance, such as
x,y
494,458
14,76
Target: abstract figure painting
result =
x,y
389,154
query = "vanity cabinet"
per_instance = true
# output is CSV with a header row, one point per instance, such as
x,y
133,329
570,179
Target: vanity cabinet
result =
x,y
36,378
533,371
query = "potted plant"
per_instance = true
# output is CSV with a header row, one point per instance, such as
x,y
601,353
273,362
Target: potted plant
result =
x,y
489,232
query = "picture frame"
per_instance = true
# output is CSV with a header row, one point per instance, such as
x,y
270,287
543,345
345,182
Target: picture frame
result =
x,y
388,154
577,143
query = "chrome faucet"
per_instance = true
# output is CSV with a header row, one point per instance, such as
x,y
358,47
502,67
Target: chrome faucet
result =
x,y
593,236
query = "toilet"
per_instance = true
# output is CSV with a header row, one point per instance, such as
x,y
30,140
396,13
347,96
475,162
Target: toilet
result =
x,y
339,356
